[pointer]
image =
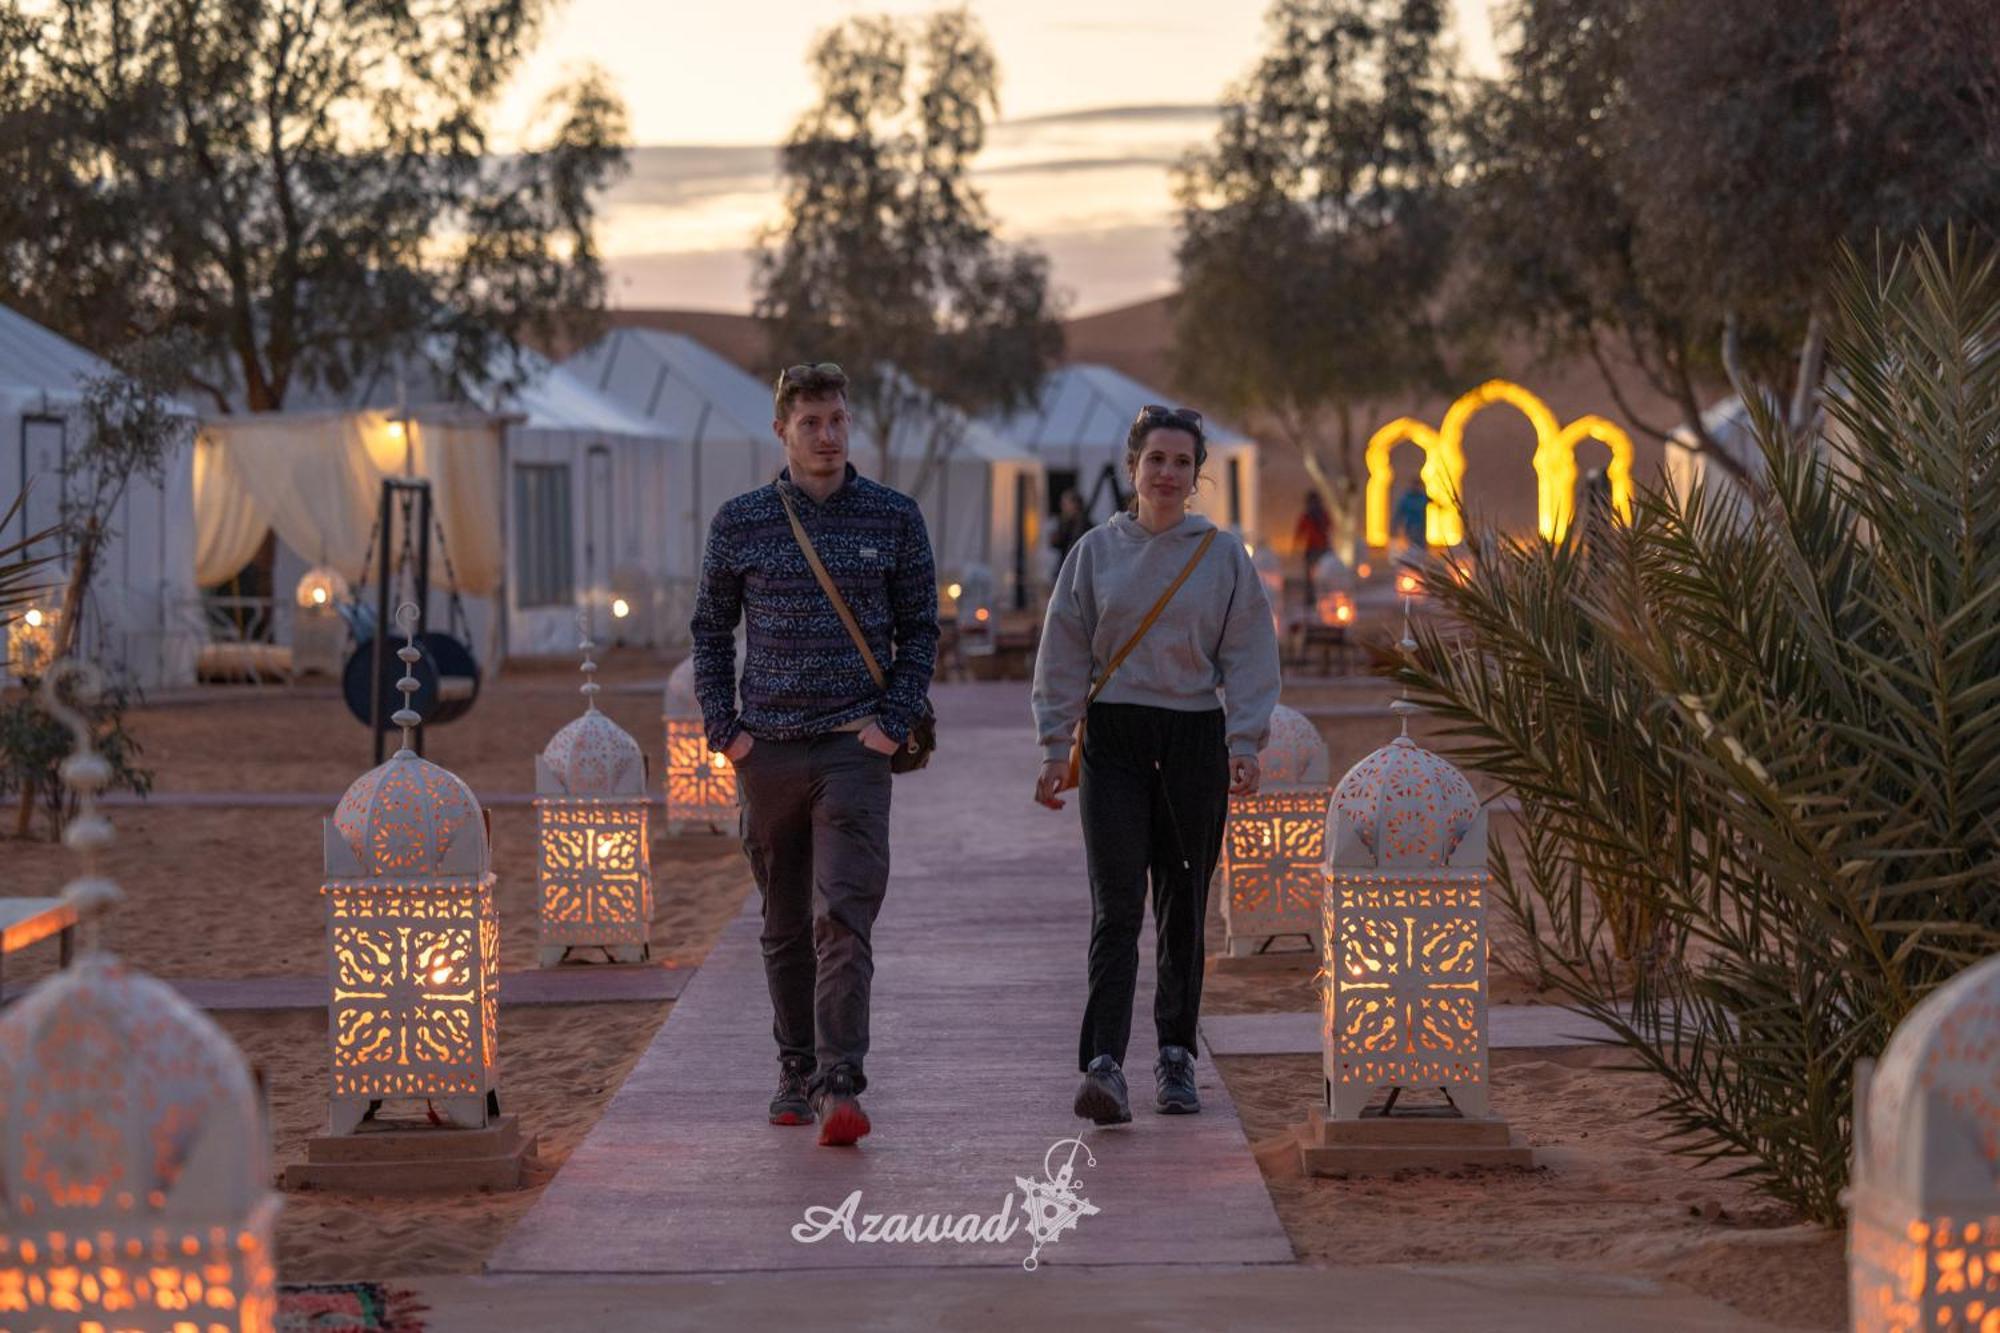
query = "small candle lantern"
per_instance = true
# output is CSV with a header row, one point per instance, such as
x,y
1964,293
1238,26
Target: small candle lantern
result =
x,y
1275,842
319,635
134,1157
31,641
701,784
594,861
1923,1240
1403,957
412,936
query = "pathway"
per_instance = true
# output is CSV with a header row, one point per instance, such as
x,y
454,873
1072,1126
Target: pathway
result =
x,y
978,994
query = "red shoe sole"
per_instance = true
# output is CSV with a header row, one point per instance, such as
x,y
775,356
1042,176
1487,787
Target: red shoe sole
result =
x,y
845,1125
791,1118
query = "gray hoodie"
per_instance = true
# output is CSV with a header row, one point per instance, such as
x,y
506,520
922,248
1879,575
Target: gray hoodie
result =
x,y
1215,635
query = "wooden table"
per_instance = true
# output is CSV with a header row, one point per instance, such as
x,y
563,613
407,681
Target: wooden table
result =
x,y
26,921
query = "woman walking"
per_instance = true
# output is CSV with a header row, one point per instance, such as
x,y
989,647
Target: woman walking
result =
x,y
1156,619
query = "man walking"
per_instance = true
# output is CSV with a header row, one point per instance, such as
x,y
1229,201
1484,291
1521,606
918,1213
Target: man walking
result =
x,y
812,738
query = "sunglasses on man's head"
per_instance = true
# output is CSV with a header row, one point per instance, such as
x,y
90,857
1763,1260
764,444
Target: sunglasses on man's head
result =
x,y
1161,412
803,371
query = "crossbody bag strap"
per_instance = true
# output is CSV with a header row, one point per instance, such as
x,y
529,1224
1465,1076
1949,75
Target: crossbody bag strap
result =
x,y
833,593
1152,615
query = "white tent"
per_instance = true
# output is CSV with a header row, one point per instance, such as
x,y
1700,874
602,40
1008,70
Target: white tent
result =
x,y
718,420
1727,422
981,503
144,621
545,495
982,498
1077,428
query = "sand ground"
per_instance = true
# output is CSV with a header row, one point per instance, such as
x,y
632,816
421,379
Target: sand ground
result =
x,y
233,892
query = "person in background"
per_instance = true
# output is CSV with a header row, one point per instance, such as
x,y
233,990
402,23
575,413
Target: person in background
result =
x,y
1413,508
1313,537
1071,523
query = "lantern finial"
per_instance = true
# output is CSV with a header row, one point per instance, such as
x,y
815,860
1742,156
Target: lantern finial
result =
x,y
86,773
584,646
407,717
1403,707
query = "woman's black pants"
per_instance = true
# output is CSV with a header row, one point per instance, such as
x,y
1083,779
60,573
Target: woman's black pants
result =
x,y
1155,797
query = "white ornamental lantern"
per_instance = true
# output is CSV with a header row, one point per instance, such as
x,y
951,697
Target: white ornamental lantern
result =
x,y
594,862
412,937
701,783
1274,848
1403,957
1923,1240
134,1156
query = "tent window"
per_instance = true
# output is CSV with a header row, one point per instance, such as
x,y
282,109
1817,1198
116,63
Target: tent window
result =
x,y
544,571
44,453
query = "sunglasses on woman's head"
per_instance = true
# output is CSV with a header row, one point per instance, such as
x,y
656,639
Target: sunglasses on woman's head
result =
x,y
1161,412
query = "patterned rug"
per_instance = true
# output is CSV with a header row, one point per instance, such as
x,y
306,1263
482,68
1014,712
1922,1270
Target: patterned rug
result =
x,y
347,1307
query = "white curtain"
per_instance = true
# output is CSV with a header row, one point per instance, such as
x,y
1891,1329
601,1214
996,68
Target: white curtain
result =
x,y
317,480
462,462
228,525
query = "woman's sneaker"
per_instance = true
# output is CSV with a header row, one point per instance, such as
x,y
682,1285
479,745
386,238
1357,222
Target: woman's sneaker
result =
x,y
792,1104
1175,1076
1101,1099
842,1122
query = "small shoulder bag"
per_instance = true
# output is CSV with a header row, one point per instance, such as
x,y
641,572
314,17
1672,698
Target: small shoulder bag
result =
x,y
916,751
1097,686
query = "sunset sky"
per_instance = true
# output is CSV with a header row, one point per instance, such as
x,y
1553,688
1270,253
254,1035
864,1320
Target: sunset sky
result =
x,y
1098,99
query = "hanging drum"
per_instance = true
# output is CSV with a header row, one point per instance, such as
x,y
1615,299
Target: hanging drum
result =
x,y
457,675
354,684
447,680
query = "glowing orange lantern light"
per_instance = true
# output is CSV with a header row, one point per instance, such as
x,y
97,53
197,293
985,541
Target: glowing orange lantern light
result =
x,y
701,784
413,938
1923,1239
1404,933
133,1153
595,866
1275,841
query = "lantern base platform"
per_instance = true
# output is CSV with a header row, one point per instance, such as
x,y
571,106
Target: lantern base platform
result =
x,y
1426,1139
1288,945
555,955
394,1158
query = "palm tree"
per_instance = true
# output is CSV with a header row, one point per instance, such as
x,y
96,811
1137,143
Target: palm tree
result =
x,y
1757,744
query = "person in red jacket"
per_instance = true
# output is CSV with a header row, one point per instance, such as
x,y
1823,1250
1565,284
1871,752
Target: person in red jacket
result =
x,y
1312,537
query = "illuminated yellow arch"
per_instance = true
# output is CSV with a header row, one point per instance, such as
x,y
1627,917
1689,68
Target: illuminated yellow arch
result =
x,y
1443,472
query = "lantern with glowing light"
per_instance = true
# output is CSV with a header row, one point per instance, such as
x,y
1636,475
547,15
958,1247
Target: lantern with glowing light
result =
x,y
134,1156
976,624
320,588
319,635
1403,952
412,936
701,783
1923,1240
31,641
1275,841
594,859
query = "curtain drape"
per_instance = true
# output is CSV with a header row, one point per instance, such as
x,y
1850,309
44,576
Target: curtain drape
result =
x,y
228,525
317,480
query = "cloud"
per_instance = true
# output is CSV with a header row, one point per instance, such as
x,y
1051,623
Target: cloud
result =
x,y
1094,268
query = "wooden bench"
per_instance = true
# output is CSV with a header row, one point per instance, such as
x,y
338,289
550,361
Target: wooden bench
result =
x,y
26,921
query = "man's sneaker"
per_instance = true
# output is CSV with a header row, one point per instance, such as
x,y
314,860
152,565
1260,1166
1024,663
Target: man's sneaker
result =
x,y
1175,1075
1101,1099
842,1122
792,1105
